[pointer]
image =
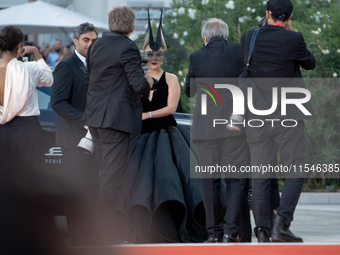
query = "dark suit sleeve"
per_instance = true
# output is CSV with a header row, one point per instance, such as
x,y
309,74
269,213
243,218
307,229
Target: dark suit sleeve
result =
x,y
61,93
132,63
305,58
190,88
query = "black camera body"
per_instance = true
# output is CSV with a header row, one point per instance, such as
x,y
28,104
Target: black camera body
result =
x,y
27,58
144,62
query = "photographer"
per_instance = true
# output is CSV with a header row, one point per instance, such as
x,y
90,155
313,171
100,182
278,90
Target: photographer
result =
x,y
19,110
278,53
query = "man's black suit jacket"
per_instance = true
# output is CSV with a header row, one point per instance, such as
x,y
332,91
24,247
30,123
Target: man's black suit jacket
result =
x,y
115,83
218,59
68,99
276,60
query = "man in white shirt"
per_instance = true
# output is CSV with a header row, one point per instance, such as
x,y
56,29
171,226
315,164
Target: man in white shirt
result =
x,y
68,99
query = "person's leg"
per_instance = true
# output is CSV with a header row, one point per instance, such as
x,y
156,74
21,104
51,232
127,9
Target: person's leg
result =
x,y
244,235
263,153
111,148
82,175
235,153
292,144
274,199
211,190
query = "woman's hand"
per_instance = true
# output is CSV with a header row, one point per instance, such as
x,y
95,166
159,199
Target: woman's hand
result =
x,y
31,49
145,115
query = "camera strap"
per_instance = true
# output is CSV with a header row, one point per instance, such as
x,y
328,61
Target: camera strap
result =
x,y
252,43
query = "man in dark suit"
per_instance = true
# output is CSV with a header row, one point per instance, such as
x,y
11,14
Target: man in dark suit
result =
x,y
219,58
277,56
68,99
114,109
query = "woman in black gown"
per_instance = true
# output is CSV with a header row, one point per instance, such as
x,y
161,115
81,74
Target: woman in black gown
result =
x,y
162,103
159,202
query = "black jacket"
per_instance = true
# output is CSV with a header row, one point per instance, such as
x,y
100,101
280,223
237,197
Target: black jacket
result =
x,y
68,100
218,59
116,82
276,60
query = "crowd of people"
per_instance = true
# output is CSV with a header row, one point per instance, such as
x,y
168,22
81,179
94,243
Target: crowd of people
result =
x,y
136,187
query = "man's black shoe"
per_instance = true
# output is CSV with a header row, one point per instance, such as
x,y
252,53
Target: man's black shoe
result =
x,y
213,239
281,233
262,237
228,238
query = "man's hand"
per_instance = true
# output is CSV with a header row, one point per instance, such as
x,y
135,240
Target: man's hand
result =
x,y
288,25
149,79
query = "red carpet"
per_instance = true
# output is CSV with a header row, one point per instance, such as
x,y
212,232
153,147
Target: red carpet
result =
x,y
215,249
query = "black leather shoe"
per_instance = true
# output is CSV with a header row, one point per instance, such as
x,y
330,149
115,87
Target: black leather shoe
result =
x,y
228,238
281,233
213,239
262,237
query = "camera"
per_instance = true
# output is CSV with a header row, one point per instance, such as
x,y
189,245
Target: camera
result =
x,y
86,143
27,57
144,62
263,22
234,121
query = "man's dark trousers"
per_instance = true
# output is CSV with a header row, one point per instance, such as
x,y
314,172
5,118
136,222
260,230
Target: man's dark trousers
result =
x,y
231,151
111,149
292,145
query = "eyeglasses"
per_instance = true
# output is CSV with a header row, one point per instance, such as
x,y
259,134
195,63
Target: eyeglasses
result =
x,y
157,54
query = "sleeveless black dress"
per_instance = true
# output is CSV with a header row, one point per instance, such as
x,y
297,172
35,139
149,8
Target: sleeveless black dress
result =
x,y
159,100
159,202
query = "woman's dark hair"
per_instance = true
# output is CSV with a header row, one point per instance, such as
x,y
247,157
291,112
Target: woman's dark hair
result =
x,y
10,37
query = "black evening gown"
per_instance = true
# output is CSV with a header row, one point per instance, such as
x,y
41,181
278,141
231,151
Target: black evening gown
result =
x,y
158,201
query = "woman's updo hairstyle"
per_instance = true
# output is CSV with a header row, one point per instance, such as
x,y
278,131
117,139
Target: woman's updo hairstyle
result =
x,y
10,37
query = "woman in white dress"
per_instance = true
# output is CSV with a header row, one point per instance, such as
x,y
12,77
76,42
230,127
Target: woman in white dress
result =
x,y
19,110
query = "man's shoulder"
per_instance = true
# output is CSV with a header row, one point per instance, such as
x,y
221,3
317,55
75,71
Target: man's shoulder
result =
x,y
201,52
234,44
206,50
70,60
113,41
66,65
295,34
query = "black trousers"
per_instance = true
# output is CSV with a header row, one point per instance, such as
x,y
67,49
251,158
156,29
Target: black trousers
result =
x,y
111,148
228,151
264,143
82,177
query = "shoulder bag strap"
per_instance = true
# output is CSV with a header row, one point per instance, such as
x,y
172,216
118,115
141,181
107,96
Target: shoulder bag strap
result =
x,y
252,43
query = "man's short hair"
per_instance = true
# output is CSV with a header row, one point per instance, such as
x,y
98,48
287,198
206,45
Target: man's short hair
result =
x,y
83,29
121,20
215,27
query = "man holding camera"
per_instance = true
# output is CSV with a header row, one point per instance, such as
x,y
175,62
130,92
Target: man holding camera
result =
x,y
113,110
68,99
277,56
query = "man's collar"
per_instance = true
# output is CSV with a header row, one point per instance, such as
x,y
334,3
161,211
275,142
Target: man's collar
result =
x,y
110,33
82,58
216,38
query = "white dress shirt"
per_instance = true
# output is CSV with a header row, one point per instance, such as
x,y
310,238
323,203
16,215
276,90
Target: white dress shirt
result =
x,y
82,58
20,95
